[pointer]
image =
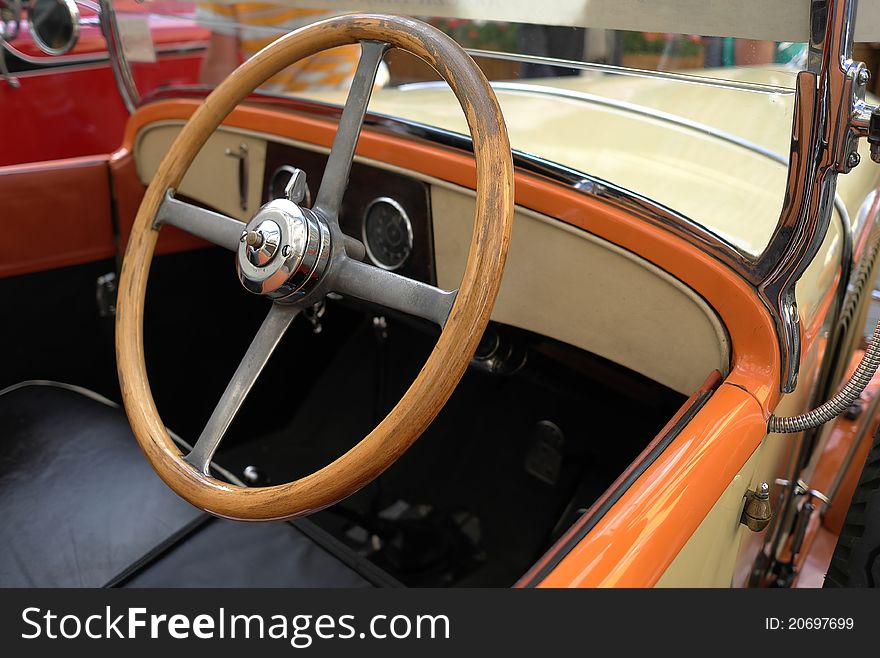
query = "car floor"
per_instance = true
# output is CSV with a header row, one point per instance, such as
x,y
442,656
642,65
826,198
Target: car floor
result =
x,y
460,507
478,498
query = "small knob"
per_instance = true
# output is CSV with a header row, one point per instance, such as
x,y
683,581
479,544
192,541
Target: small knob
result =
x,y
252,239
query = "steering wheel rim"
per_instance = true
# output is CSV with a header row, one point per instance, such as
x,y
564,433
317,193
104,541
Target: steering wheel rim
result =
x,y
464,325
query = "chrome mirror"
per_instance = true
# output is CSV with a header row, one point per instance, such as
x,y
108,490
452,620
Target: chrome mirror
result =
x,y
10,19
54,25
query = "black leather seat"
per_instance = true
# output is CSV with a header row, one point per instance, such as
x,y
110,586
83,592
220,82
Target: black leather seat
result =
x,y
80,506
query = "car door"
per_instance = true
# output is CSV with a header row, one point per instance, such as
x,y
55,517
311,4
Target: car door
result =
x,y
62,118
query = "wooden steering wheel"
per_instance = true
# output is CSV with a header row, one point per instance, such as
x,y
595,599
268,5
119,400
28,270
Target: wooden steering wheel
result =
x,y
295,256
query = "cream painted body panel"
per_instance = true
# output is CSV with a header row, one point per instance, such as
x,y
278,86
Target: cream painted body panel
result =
x,y
709,558
721,551
730,189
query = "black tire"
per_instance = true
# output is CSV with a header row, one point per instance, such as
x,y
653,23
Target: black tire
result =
x,y
856,559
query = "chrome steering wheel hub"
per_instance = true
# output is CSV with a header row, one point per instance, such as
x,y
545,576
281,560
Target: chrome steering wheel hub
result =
x,y
283,251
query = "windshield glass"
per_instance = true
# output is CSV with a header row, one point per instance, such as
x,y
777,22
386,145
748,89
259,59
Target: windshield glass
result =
x,y
699,124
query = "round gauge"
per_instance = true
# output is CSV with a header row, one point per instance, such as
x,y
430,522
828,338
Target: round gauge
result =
x,y
387,233
278,184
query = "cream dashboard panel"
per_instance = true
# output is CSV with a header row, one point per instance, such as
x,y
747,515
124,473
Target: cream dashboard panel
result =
x,y
559,281
226,175
565,283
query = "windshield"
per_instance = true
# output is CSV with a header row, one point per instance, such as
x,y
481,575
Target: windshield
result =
x,y
695,123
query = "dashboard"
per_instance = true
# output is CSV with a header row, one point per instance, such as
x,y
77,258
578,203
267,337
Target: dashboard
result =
x,y
560,281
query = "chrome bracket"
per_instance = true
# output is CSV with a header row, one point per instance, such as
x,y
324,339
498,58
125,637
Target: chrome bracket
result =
x,y
801,488
830,115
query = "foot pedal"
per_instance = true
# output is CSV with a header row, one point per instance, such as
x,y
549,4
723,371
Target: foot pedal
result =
x,y
544,457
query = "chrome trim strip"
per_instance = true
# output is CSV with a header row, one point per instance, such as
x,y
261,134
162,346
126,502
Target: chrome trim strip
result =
x,y
687,78
58,61
624,106
643,110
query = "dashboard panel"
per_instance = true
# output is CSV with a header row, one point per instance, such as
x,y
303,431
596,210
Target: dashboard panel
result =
x,y
560,281
374,203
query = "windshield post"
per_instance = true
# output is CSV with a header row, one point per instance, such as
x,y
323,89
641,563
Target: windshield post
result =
x,y
118,60
823,141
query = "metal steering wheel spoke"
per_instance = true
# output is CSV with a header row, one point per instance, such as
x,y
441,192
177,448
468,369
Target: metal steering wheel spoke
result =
x,y
206,224
264,343
399,293
335,178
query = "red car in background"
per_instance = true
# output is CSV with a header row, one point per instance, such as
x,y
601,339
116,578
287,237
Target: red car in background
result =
x,y
44,95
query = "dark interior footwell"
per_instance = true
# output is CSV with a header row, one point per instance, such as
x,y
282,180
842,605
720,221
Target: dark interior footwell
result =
x,y
503,470
505,467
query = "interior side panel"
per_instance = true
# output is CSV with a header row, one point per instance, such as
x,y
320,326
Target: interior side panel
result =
x,y
62,212
128,191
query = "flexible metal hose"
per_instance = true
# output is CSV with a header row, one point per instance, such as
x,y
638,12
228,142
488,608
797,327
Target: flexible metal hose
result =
x,y
867,366
840,402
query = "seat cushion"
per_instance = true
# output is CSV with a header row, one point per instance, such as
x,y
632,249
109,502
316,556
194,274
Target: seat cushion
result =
x,y
252,555
81,507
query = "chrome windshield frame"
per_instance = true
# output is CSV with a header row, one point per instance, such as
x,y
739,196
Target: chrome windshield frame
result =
x,y
823,144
